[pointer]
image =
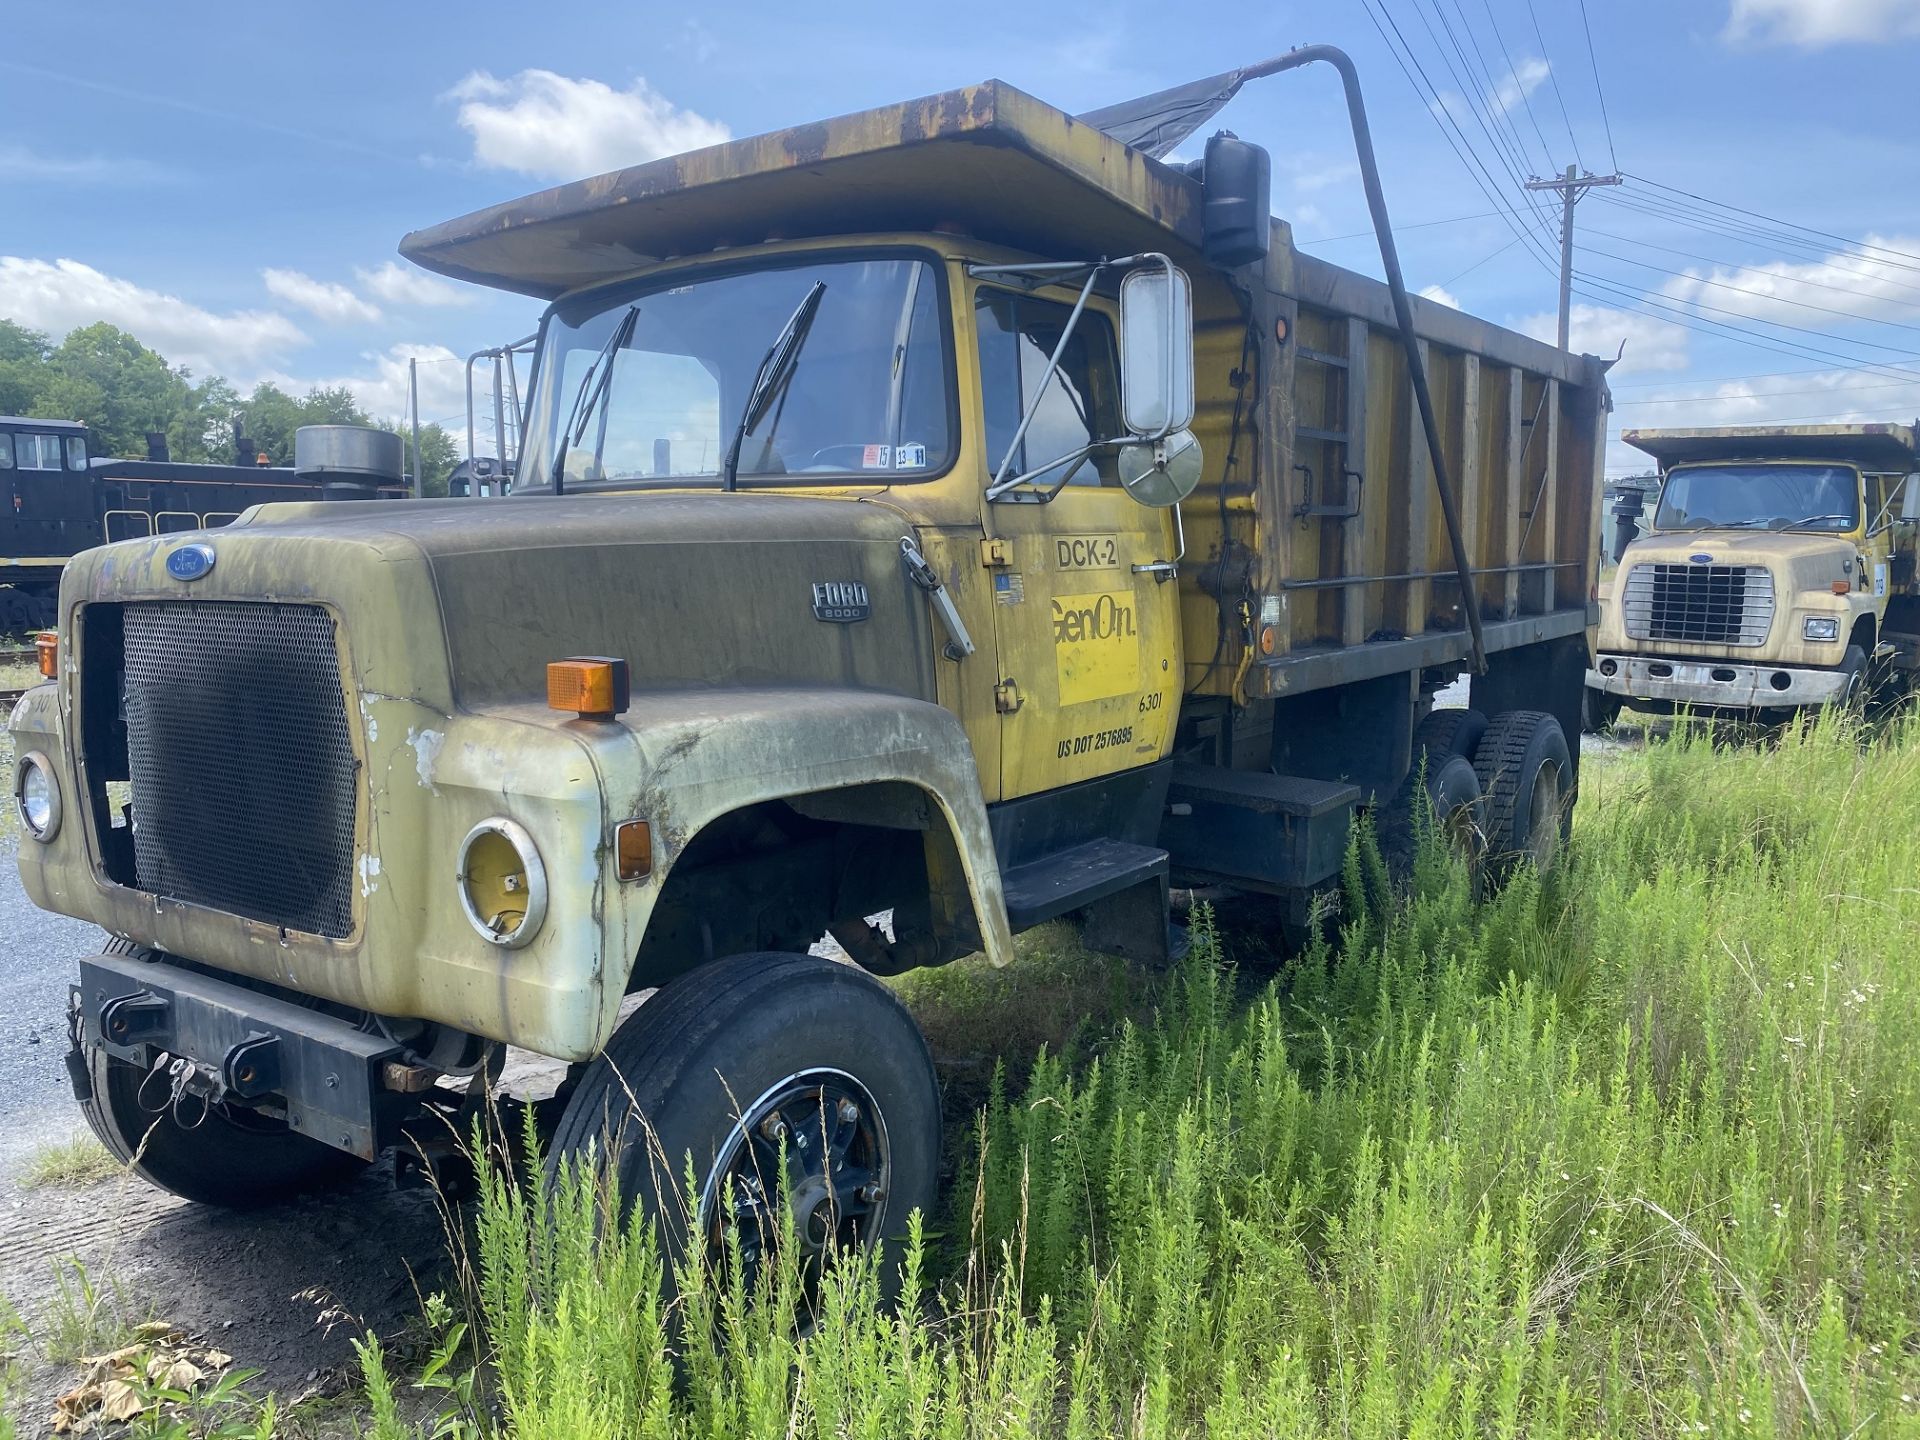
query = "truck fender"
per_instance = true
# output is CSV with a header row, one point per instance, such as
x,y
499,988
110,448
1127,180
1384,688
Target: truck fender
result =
x,y
707,753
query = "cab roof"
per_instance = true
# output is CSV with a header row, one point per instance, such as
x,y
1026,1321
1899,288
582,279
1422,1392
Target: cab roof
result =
x,y
27,422
988,161
1876,446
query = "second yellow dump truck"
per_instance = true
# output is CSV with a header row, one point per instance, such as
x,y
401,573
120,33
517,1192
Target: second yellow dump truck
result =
x,y
932,522
1777,573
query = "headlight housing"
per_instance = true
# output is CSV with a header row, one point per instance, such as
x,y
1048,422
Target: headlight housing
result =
x,y
36,795
1821,627
503,885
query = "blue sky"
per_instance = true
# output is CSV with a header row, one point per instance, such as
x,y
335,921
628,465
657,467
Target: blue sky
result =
x,y
229,182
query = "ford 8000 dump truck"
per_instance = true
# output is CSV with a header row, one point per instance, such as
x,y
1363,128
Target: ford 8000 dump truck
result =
x,y
948,510
1777,574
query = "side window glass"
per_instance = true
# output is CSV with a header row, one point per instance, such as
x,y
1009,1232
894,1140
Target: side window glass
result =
x,y
6,452
1078,403
76,452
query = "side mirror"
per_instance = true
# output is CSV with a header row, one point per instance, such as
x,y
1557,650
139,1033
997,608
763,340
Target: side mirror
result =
x,y
1156,350
1910,498
1161,473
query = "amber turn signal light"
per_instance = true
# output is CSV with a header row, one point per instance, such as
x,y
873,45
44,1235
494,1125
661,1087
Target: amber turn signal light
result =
x,y
1842,587
594,687
46,649
633,849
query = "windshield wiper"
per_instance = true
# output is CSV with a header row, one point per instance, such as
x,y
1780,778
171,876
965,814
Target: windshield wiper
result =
x,y
776,367
1795,525
596,380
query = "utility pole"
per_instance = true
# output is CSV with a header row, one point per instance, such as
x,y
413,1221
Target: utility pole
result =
x,y
1571,186
413,403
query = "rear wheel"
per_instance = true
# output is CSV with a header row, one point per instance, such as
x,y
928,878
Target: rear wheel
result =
x,y
1526,772
786,1079
1448,732
1453,793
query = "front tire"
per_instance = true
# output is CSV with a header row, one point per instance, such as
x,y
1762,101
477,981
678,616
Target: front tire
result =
x,y
749,1061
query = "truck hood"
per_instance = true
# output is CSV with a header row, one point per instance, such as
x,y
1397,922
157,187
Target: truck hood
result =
x,y
1798,561
705,589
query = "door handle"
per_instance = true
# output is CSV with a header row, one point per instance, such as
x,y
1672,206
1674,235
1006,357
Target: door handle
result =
x,y
1165,570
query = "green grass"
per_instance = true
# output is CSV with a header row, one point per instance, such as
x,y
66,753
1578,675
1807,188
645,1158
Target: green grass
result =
x,y
1630,1152
77,1161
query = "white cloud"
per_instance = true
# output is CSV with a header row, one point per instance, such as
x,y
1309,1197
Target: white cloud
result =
x,y
1526,77
1804,398
1651,343
61,295
333,303
541,123
1851,281
399,284
17,162
380,386
1814,24
1440,295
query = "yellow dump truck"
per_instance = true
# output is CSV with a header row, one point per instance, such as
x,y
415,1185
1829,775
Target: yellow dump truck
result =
x,y
932,522
1777,573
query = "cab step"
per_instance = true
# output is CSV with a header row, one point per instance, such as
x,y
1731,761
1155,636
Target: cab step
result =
x,y
1079,876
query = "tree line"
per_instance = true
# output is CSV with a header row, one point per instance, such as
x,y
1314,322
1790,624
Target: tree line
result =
x,y
121,390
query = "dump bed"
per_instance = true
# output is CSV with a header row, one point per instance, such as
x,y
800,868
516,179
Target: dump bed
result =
x,y
1876,446
1317,552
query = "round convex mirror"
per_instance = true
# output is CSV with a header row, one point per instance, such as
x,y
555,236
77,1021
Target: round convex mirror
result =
x,y
1163,474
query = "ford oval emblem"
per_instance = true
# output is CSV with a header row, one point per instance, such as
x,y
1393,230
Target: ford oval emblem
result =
x,y
1696,559
190,562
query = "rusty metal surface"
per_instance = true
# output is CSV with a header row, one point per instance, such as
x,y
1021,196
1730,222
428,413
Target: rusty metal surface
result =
x,y
953,160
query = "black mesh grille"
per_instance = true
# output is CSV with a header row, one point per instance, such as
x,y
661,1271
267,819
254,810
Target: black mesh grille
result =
x,y
1706,604
241,765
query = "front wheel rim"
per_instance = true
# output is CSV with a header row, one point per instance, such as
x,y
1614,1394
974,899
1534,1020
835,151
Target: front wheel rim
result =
x,y
830,1135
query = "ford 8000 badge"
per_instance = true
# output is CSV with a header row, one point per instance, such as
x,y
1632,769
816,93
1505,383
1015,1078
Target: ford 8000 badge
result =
x,y
190,562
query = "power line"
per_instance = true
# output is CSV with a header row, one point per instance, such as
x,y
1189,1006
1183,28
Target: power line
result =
x,y
1720,329
1598,89
1481,261
1519,88
1449,126
1553,75
1493,101
1788,224
1761,294
1714,223
1750,269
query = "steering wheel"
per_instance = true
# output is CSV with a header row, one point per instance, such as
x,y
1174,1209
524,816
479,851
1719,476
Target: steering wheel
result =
x,y
816,460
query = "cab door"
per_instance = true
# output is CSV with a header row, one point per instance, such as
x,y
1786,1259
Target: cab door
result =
x,y
1086,609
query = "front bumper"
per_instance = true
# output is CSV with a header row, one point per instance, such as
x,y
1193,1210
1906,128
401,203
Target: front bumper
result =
x,y
324,1076
1718,684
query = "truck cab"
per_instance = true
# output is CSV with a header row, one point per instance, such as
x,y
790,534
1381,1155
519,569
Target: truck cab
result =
x,y
1776,574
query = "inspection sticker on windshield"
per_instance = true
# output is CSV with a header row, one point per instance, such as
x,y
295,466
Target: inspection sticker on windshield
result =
x,y
876,457
909,457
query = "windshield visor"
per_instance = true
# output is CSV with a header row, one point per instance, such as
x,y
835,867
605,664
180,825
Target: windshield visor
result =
x,y
1760,497
867,394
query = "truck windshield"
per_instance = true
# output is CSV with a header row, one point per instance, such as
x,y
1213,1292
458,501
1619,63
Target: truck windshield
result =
x,y
868,395
1760,497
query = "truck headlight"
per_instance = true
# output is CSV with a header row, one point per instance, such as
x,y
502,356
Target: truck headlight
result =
x,y
1821,627
503,885
36,795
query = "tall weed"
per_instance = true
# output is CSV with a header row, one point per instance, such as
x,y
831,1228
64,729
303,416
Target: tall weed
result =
x,y
1626,1151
